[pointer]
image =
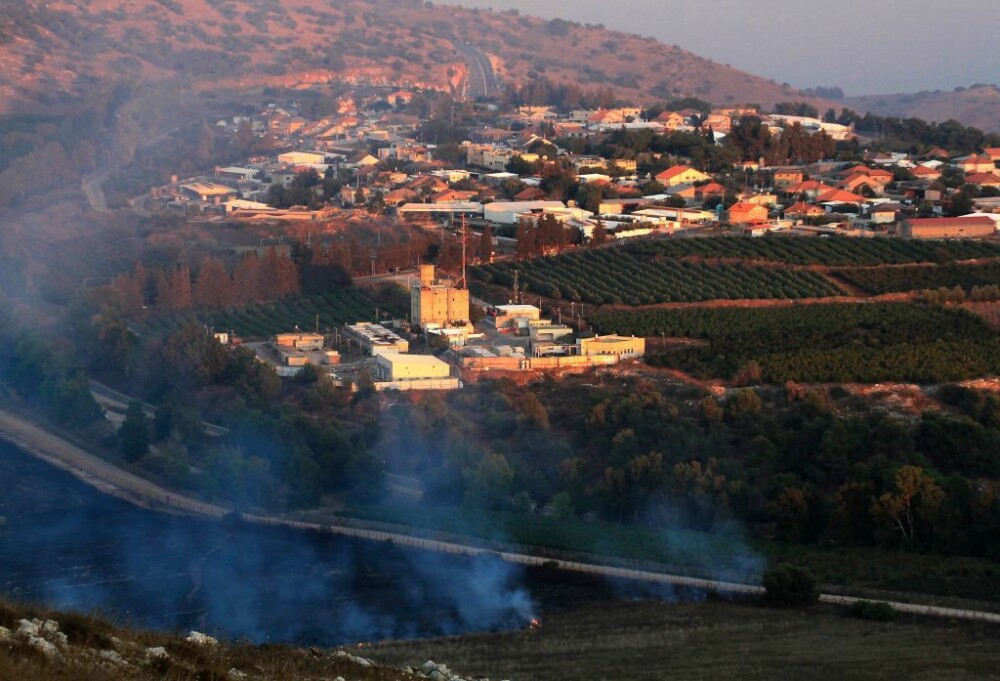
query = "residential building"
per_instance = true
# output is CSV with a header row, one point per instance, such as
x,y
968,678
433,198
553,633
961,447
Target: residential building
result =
x,y
745,213
681,174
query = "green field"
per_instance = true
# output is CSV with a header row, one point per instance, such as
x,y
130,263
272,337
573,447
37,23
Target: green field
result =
x,y
346,305
710,640
840,251
918,277
821,343
629,277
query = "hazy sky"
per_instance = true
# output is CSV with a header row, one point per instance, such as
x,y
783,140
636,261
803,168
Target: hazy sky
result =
x,y
864,46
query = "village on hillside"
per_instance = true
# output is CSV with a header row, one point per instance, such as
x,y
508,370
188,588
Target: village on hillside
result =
x,y
534,181
632,171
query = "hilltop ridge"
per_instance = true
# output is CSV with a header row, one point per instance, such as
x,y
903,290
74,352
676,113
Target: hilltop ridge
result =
x,y
67,46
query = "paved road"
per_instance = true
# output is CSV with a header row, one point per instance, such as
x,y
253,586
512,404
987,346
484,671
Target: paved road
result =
x,y
112,480
483,81
93,184
110,398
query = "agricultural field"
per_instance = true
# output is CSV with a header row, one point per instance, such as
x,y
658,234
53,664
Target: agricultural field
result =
x,y
345,305
836,251
710,640
629,277
916,277
864,343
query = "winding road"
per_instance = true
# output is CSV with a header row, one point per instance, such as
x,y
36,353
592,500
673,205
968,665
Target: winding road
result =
x,y
109,479
483,81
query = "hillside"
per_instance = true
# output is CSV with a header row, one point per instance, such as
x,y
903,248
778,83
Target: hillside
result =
x,y
977,106
65,46
42,645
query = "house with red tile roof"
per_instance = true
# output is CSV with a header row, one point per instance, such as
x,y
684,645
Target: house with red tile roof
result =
x,y
923,172
976,163
839,196
530,194
983,179
709,189
811,188
681,174
452,196
671,120
744,213
800,210
857,182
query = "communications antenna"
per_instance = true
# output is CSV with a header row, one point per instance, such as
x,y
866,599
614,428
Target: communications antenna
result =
x,y
464,283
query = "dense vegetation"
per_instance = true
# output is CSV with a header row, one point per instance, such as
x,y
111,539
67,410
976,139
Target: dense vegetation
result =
x,y
629,277
806,466
917,277
821,343
807,251
287,445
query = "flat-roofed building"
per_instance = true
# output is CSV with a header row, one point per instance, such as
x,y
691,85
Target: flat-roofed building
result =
x,y
207,192
298,341
298,158
624,347
439,302
943,228
375,339
404,367
522,315
413,372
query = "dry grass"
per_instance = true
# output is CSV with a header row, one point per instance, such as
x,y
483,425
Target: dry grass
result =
x,y
89,635
712,640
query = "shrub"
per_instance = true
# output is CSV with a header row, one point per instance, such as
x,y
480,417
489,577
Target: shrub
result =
x,y
790,585
876,611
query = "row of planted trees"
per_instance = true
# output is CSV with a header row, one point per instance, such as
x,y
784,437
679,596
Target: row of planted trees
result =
x,y
253,279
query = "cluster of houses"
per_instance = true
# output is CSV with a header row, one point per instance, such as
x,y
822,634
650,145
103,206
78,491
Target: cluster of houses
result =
x,y
383,163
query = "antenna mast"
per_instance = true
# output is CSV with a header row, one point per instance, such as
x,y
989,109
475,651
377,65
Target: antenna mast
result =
x,y
465,284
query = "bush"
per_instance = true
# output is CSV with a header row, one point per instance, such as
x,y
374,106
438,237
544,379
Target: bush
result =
x,y
790,585
877,611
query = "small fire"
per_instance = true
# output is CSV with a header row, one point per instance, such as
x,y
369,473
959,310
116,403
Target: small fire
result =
x,y
535,623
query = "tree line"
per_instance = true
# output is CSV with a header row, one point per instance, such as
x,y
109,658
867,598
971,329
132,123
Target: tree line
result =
x,y
802,465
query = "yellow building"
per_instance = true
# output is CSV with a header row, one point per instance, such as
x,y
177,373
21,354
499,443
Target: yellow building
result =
x,y
623,347
298,341
436,301
676,175
402,367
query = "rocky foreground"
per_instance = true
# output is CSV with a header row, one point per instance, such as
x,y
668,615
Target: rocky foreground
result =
x,y
37,645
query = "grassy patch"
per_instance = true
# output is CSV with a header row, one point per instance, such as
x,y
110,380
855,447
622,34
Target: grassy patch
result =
x,y
711,640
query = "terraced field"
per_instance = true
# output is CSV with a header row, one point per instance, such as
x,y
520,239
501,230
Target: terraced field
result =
x,y
257,321
630,277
